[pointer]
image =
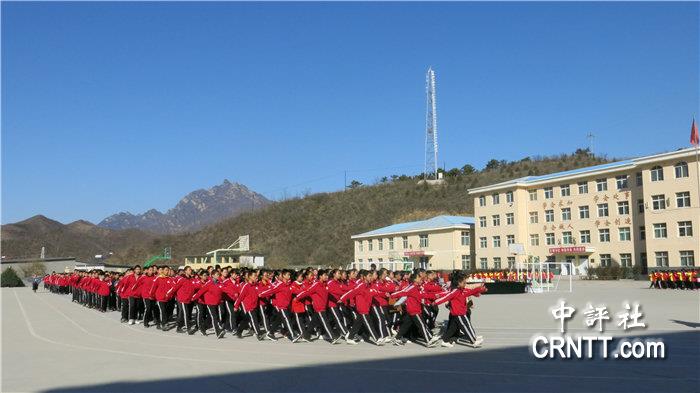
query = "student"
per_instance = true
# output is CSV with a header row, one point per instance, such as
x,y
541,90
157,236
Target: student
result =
x,y
123,292
248,300
336,289
103,290
185,286
159,293
211,293
383,287
362,295
457,298
319,301
149,301
413,317
282,299
298,307
133,285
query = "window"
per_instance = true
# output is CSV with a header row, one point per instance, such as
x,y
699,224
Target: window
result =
x,y
380,260
660,231
509,197
685,228
566,214
585,236
625,234
466,262
549,239
369,245
583,212
640,206
497,263
360,246
683,199
605,260
405,242
482,242
391,243
583,187
423,241
465,238
380,244
658,202
482,222
359,260
621,182
565,190
511,263
484,264
623,208
549,215
566,238
601,185
510,219
482,201
681,170
657,173
510,239
642,233
604,235
496,220
496,199
638,175
661,258
687,258
535,240
496,241
603,210
548,193
626,260
534,219
533,195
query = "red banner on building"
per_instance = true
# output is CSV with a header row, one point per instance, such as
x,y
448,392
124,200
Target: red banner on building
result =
x,y
567,250
414,253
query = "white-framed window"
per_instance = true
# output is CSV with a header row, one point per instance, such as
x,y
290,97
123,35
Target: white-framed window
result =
x,y
601,185
484,264
380,260
509,197
625,234
687,258
496,241
466,262
566,214
621,182
583,212
585,236
495,199
683,199
535,240
391,243
681,169
510,219
369,245
510,239
657,173
380,244
532,194
661,258
511,263
583,187
604,235
566,238
465,238
605,260
360,246
549,239
497,263
534,218
359,260
565,190
549,215
405,242
482,222
496,219
685,228
482,201
423,241
626,260
482,242
623,208
548,193
638,176
642,232
369,260
660,231
603,210
658,202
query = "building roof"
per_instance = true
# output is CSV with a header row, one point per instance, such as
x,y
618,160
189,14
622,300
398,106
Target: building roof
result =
x,y
439,222
580,172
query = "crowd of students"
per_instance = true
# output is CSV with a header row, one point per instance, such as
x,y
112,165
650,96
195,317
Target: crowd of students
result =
x,y
375,306
678,279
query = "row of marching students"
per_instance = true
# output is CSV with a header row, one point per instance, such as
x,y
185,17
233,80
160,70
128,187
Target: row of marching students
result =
x,y
378,307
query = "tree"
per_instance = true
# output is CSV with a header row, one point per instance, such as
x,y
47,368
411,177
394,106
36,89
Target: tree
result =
x,y
355,184
35,268
9,278
454,172
468,169
492,164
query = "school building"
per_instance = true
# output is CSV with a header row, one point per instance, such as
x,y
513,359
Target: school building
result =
x,y
439,243
643,211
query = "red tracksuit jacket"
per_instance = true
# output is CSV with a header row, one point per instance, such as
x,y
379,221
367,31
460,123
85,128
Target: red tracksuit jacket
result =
x,y
383,289
362,294
183,289
414,298
458,299
318,294
282,295
248,298
297,305
211,292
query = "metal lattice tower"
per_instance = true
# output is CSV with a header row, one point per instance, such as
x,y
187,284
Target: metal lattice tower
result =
x,y
431,146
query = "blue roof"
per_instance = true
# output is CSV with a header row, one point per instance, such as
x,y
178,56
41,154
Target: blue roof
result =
x,y
415,226
595,168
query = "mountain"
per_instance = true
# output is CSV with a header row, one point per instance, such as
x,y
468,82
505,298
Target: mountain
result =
x,y
196,210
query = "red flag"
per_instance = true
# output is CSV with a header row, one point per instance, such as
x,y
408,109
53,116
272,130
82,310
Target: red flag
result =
x,y
694,137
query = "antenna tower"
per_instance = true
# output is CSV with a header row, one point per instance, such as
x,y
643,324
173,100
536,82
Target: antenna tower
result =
x,y
431,146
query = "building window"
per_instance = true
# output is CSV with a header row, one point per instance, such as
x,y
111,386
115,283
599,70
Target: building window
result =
x,y
391,243
566,214
625,234
423,241
605,260
496,241
359,260
566,238
583,187
658,202
642,233
369,260
660,231
583,212
360,246
535,240
496,220
405,242
466,262
683,199
601,185
533,195
466,238
548,193
482,222
380,244
510,219
640,206
482,201
511,263
638,175
681,170
369,245
661,258
604,235
685,228
626,260
496,199
510,239
623,208
482,242
621,182
657,173
549,215
565,190
603,210
484,264
509,197
497,263
534,218
585,236
687,258
549,239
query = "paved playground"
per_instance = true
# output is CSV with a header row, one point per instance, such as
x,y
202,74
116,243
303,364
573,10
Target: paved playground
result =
x,y
52,345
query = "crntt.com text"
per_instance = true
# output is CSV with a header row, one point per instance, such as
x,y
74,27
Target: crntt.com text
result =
x,y
589,347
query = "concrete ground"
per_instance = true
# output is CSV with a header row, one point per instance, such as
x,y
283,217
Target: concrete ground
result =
x,y
52,345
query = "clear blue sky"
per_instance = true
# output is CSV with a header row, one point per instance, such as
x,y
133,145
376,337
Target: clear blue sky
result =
x,y
110,107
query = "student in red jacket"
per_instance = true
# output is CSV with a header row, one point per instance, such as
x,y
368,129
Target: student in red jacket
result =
x,y
149,302
248,300
380,303
336,289
103,290
319,301
413,316
123,294
133,286
431,286
298,308
229,282
458,297
182,291
211,294
362,295
282,299
159,293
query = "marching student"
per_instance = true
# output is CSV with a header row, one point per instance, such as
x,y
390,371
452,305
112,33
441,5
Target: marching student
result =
x,y
298,306
362,295
211,294
248,299
123,294
183,289
149,301
458,297
383,287
336,289
133,285
159,292
103,290
281,301
413,317
319,301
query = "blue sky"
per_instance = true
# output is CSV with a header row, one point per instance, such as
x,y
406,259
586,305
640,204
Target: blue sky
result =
x,y
110,107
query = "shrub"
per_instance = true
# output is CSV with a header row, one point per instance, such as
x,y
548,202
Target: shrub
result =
x,y
9,278
37,268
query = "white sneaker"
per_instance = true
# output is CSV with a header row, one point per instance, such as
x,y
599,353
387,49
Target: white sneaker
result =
x,y
480,338
479,341
131,322
138,321
350,341
447,344
434,340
